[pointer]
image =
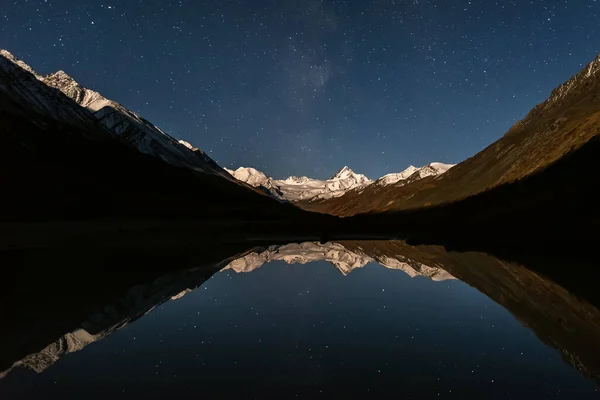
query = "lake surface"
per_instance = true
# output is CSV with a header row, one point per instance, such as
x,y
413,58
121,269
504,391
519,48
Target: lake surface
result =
x,y
330,321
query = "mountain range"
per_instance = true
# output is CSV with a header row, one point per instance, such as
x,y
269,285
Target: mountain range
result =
x,y
84,173
303,188
336,254
75,155
85,108
143,298
132,128
555,306
552,131
147,138
60,97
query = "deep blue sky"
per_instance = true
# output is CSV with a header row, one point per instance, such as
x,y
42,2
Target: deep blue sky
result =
x,y
306,87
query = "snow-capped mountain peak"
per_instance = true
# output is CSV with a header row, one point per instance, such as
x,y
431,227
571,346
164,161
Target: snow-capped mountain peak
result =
x,y
297,180
440,167
20,83
62,76
343,259
251,176
432,169
395,177
133,128
14,60
86,98
60,97
296,188
302,188
570,91
188,145
343,173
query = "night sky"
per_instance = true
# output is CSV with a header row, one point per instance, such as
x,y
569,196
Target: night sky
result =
x,y
305,87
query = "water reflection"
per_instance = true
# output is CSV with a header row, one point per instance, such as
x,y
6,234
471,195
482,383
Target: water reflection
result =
x,y
412,323
340,257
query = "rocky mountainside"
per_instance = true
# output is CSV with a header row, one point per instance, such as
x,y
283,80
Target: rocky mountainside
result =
x,y
300,189
141,299
136,302
84,107
340,257
131,127
88,109
28,93
552,130
89,157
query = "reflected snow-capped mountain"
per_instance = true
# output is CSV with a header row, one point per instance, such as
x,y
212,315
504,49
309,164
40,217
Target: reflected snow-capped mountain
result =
x,y
142,299
336,254
558,317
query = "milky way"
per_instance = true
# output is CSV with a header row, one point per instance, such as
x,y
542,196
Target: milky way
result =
x,y
305,87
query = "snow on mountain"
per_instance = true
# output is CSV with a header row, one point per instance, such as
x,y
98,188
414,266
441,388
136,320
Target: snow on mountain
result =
x,y
432,169
62,98
133,128
413,268
138,301
412,174
346,173
303,188
396,177
86,98
27,89
251,176
66,344
336,254
346,179
142,299
565,95
8,56
303,253
589,72
90,110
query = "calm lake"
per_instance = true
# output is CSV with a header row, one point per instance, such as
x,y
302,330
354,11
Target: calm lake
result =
x,y
344,320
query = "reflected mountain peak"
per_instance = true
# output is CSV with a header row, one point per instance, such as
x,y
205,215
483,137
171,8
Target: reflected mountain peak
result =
x,y
343,259
69,343
559,318
413,268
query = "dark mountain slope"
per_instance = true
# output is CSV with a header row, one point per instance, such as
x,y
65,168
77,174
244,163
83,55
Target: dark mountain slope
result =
x,y
542,210
559,126
548,295
59,162
52,172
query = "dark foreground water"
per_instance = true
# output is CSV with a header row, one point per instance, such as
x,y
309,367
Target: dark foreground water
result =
x,y
341,326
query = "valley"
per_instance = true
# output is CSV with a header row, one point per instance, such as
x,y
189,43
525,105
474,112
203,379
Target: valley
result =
x,y
88,158
299,199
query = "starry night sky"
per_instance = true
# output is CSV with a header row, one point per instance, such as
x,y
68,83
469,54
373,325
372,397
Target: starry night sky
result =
x,y
305,87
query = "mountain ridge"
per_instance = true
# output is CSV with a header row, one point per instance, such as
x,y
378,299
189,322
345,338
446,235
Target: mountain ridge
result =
x,y
91,108
336,254
566,121
69,163
133,128
28,92
298,189
143,298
